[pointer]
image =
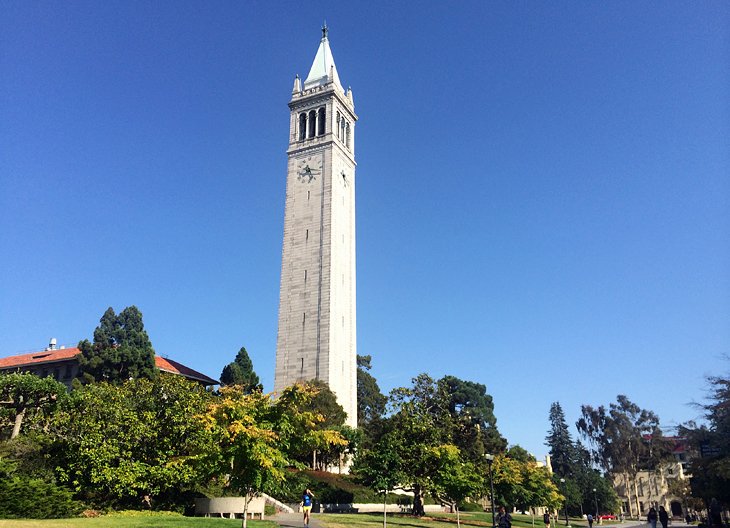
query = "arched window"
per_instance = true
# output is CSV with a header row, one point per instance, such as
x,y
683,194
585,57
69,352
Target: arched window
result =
x,y
320,122
342,130
312,123
347,141
338,125
302,126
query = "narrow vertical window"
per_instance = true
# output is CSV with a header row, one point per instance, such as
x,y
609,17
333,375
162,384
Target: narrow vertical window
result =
x,y
347,140
338,125
305,275
306,235
307,195
321,122
302,126
312,123
304,317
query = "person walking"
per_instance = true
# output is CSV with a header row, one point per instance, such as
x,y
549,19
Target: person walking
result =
x,y
715,514
590,520
546,519
663,517
652,517
504,519
307,500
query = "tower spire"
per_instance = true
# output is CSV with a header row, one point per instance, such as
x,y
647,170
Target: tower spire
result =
x,y
323,69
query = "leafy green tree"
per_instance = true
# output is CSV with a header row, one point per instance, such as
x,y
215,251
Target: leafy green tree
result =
x,y
117,443
381,468
420,422
370,401
472,416
240,372
710,444
24,396
624,439
121,349
454,479
253,436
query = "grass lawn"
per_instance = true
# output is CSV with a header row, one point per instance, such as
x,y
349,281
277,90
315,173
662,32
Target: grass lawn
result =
x,y
432,520
135,521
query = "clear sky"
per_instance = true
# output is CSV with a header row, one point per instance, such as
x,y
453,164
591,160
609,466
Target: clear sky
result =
x,y
543,188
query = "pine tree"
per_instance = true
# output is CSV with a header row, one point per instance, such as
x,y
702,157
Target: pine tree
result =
x,y
241,372
121,349
562,449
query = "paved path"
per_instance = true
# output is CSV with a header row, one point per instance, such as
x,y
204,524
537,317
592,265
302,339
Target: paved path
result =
x,y
294,520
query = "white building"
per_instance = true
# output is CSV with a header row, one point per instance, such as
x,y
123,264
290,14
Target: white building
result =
x,y
317,322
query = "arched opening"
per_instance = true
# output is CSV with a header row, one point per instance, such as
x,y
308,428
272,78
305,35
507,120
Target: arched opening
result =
x,y
312,124
320,122
676,508
302,126
347,140
338,125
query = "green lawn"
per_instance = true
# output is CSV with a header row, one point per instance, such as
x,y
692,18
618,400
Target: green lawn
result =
x,y
432,520
135,521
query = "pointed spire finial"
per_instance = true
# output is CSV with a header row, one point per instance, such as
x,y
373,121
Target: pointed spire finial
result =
x,y
324,30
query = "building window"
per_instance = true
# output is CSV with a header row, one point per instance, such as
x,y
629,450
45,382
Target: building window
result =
x,y
302,126
338,125
312,124
347,139
321,122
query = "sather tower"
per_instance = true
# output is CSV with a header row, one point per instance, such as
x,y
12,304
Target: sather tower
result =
x,y
317,330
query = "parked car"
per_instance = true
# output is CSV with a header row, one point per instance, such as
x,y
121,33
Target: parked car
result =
x,y
607,517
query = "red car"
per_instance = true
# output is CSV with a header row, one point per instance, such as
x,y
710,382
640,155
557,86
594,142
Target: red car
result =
x,y
607,516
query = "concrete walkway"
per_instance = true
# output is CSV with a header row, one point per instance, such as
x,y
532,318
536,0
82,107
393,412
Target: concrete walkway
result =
x,y
294,520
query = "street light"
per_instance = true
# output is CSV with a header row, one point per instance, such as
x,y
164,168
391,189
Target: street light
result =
x,y
490,459
565,490
595,500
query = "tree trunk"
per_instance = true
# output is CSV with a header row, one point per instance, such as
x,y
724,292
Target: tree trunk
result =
x,y
636,498
18,422
385,513
628,494
418,510
458,521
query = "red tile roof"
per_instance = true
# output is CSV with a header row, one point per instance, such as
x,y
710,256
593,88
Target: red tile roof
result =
x,y
35,358
64,354
168,365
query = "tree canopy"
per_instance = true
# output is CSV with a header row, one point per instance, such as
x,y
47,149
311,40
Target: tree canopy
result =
x,y
240,372
121,349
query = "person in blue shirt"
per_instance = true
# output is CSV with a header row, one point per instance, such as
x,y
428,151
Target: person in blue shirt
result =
x,y
307,499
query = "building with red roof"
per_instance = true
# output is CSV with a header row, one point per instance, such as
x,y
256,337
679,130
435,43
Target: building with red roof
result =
x,y
63,365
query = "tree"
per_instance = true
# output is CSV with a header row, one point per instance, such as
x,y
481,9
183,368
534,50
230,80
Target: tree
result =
x,y
562,449
370,401
454,479
710,444
240,372
25,396
624,440
381,468
472,415
254,435
121,349
117,443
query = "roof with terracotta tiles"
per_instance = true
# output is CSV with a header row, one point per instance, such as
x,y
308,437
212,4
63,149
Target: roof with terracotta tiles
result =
x,y
65,354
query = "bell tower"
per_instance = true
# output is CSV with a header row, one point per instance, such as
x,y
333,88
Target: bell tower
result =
x,y
317,323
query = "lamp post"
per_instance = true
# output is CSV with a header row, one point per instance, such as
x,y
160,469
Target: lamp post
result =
x,y
595,501
490,459
565,491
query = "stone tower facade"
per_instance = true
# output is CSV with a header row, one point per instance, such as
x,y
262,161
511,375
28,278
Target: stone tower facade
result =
x,y
317,321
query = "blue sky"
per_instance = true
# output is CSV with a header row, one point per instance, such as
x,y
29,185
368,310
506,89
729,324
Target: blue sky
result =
x,y
543,194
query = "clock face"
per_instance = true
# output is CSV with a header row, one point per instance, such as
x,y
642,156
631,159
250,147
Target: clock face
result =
x,y
309,169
